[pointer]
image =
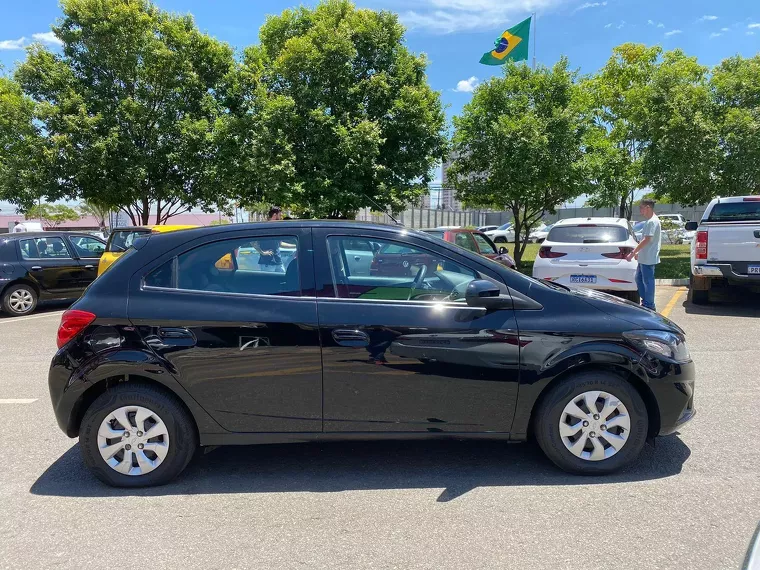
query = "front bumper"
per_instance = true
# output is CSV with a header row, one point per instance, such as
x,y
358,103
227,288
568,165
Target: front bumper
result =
x,y
672,386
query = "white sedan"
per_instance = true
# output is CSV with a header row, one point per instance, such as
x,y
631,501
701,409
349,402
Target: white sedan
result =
x,y
590,252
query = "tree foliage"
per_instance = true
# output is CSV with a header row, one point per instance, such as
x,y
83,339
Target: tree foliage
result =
x,y
333,113
52,215
518,145
129,106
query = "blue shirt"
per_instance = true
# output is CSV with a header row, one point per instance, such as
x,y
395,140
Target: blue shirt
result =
x,y
650,253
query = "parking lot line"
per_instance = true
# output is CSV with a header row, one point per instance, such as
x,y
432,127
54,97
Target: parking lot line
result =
x,y
17,400
672,303
22,319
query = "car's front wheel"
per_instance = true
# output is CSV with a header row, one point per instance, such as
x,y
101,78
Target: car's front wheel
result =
x,y
19,299
136,435
592,423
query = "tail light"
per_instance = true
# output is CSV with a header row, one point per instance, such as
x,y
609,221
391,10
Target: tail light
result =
x,y
72,323
546,253
622,253
701,248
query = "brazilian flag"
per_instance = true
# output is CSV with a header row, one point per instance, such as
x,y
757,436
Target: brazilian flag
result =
x,y
511,46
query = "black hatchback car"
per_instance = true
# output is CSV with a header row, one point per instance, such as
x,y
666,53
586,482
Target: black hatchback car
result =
x,y
44,266
171,349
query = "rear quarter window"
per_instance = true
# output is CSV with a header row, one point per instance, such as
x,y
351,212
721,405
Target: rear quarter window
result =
x,y
735,212
588,234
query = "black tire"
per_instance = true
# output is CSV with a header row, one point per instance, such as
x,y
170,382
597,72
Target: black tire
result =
x,y
23,289
500,239
183,441
632,296
698,296
546,422
540,240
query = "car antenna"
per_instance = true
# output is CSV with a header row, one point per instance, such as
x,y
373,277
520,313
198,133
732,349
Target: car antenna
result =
x,y
395,221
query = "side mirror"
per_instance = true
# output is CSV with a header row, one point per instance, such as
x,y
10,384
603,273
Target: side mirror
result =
x,y
691,226
482,293
503,250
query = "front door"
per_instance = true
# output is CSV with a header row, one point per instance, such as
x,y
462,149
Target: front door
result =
x,y
88,249
243,340
401,350
50,264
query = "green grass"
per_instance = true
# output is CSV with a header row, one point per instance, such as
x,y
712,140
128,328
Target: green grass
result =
x,y
674,260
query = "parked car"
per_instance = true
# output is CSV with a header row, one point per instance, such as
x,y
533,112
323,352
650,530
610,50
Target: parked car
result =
x,y
45,266
484,229
503,234
539,234
164,352
121,239
726,249
677,219
475,241
590,252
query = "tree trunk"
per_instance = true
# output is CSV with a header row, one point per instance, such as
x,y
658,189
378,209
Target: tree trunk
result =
x,y
145,211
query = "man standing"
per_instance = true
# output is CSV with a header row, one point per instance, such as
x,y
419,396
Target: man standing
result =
x,y
18,227
648,253
270,258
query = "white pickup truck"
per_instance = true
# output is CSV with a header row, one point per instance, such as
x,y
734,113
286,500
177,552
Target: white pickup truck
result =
x,y
726,249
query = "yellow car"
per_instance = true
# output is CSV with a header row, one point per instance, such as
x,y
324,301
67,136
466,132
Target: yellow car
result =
x,y
121,239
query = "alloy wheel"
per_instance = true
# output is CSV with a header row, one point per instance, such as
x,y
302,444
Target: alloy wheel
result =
x,y
594,425
133,440
20,300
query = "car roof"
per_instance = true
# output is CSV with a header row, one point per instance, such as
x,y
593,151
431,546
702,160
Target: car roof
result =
x,y
598,221
52,233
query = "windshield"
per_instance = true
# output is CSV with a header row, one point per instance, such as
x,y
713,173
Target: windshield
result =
x,y
120,240
638,226
435,233
588,234
735,212
506,226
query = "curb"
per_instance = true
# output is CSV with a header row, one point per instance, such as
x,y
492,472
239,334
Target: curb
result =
x,y
673,282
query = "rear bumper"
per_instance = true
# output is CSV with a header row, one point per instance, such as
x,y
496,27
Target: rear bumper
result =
x,y
620,277
727,271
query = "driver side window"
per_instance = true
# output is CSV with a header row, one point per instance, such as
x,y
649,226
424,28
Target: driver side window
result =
x,y
375,269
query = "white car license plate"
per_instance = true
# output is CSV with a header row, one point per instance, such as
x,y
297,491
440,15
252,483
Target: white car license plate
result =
x,y
753,270
583,279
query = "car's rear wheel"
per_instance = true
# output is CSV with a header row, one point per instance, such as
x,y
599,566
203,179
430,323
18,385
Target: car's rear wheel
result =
x,y
500,239
592,423
632,296
135,435
19,300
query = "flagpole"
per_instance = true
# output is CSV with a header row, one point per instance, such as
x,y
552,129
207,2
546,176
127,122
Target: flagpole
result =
x,y
534,40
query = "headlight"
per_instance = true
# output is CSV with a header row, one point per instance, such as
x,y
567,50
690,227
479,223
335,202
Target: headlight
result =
x,y
660,343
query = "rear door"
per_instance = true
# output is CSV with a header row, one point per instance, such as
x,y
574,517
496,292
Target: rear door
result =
x,y
734,233
88,249
49,262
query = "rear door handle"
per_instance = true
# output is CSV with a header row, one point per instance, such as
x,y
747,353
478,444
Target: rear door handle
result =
x,y
89,267
175,333
350,337
358,257
36,268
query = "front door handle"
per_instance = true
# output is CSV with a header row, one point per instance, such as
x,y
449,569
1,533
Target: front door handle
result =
x,y
36,268
358,257
89,267
350,337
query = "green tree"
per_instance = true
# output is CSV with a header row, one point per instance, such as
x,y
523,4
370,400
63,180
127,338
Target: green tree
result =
x,y
52,215
23,154
129,106
518,145
682,160
616,145
96,210
736,90
339,109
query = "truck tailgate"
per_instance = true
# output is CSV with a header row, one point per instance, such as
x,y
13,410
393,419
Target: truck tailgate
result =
x,y
733,242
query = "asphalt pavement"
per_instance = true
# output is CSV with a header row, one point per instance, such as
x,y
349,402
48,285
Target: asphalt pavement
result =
x,y
691,501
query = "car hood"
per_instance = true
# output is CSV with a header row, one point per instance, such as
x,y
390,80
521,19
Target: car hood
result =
x,y
626,310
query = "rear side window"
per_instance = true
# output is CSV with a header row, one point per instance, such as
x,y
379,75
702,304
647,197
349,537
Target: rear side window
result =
x,y
588,234
267,265
735,212
435,233
121,240
44,248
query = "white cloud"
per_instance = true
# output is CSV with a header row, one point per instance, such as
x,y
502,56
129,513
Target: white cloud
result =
x,y
589,5
621,25
708,18
715,35
47,38
653,23
672,33
12,44
725,30
467,85
753,26
660,25
607,26
448,16
750,33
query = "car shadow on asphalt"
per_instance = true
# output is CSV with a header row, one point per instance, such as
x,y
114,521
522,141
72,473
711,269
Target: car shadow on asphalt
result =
x,y
454,466
735,302
43,307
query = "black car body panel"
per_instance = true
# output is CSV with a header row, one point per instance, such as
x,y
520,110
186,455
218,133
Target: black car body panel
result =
x,y
64,274
312,365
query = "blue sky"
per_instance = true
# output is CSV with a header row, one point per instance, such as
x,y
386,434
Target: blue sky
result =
x,y
455,33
